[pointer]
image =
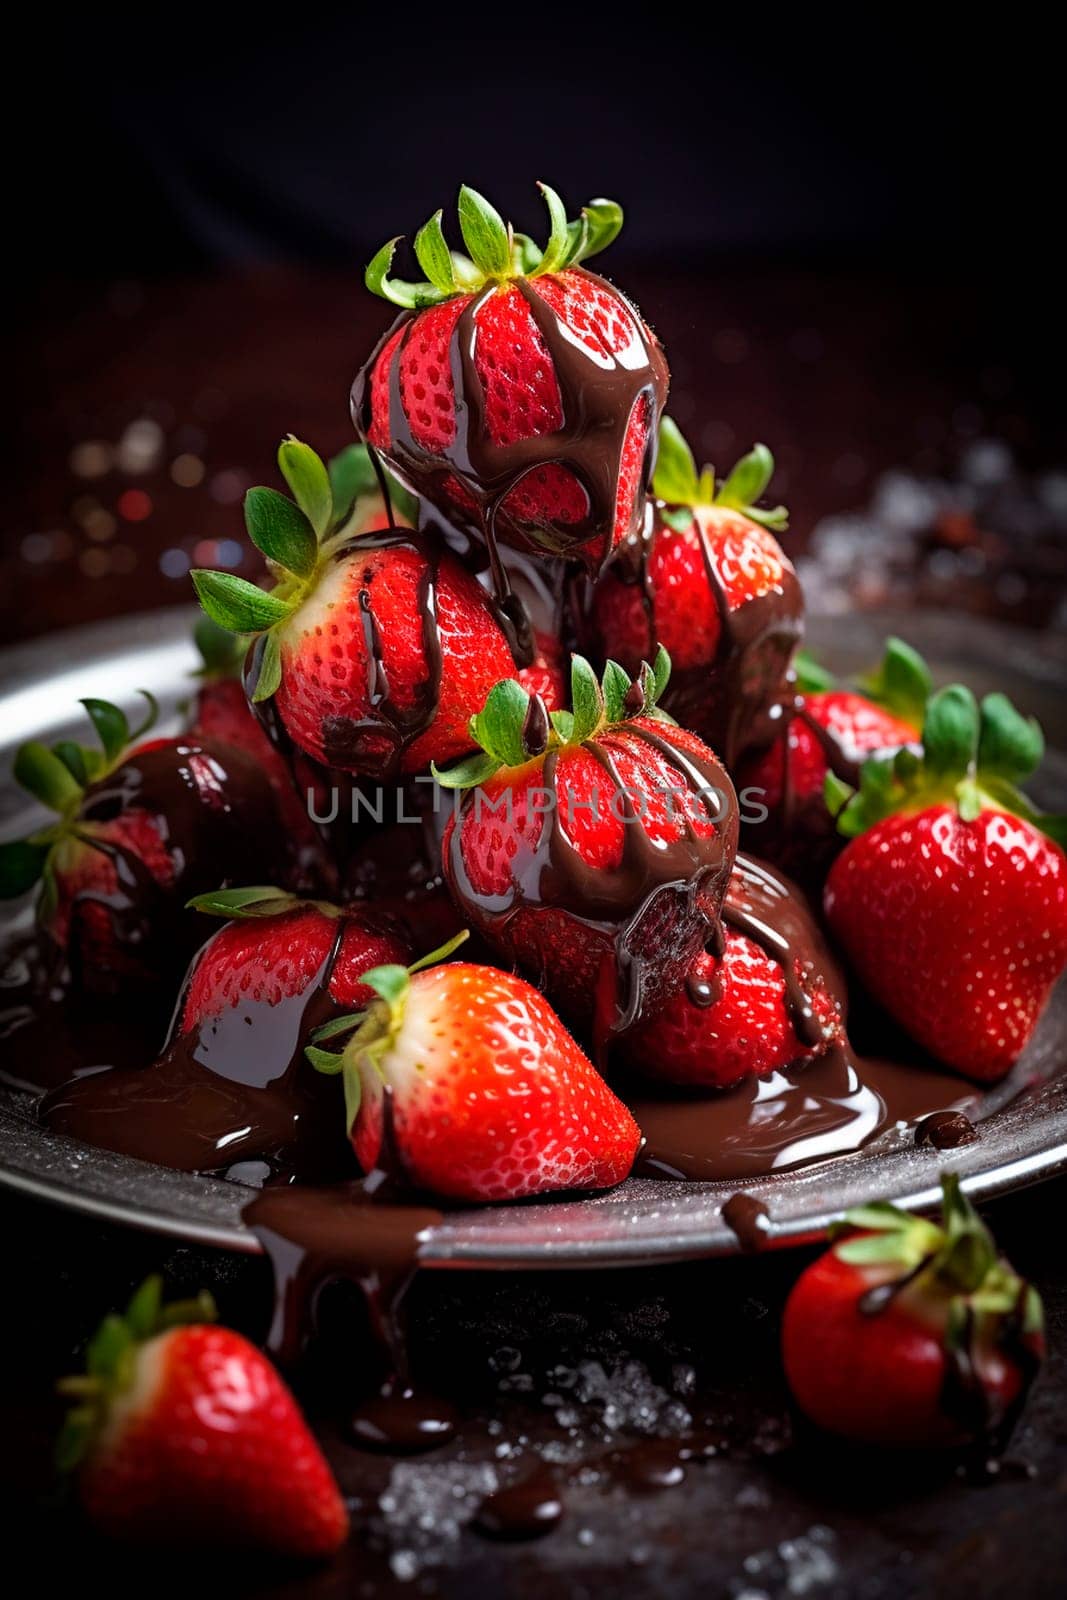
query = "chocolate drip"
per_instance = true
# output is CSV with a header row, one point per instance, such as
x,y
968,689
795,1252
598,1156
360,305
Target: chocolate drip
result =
x,y
766,908
873,1302
233,1088
946,1130
599,394
748,1219
731,700
219,824
615,903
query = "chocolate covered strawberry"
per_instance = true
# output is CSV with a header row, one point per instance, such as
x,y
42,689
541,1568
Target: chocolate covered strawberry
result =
x,y
593,847
281,974
138,831
374,648
950,900
912,1334
829,728
705,578
182,1432
518,392
766,995
489,1097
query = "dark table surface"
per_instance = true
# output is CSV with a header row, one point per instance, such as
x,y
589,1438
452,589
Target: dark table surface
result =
x,y
145,410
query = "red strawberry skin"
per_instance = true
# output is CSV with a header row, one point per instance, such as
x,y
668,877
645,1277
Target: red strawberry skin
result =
x,y
746,1033
209,1444
268,959
658,591
332,693
545,674
879,1379
958,928
854,725
522,401
572,957
491,1097
87,881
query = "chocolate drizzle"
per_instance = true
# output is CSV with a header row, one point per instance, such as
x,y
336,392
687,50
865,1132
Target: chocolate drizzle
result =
x,y
234,1088
946,1130
730,701
599,393
625,908
748,1220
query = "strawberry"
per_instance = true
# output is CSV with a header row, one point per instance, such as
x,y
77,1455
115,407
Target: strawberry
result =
x,y
374,648
705,578
910,1334
545,674
765,997
518,392
593,847
222,714
950,898
489,1096
276,946
830,728
139,831
181,1430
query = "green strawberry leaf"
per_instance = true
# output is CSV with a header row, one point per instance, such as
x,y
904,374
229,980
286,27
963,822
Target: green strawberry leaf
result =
x,y
280,530
21,866
484,234
328,1062
467,773
352,475
950,732
236,604
433,256
555,251
616,685
563,725
412,296
259,900
526,255
498,727
675,479
587,700
1010,746
305,473
143,1311
747,481
269,675
390,983
339,1025
76,760
812,677
41,773
677,517
902,682
112,728
600,226
661,674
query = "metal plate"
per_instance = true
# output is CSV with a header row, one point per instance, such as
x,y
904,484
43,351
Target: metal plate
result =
x,y
1024,1135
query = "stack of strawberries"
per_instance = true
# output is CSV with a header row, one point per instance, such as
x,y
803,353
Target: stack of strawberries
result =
x,y
524,672
523,669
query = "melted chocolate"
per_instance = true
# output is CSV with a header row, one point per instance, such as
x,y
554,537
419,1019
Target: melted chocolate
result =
x,y
946,1130
598,396
524,1510
766,908
748,1219
731,700
616,904
234,1087
806,1114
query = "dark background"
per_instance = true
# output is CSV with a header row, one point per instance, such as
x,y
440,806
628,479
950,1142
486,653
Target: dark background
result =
x,y
846,237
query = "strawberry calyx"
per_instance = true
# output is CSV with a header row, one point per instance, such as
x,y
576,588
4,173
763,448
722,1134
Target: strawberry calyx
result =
x,y
58,775
258,900
810,676
515,727
111,1363
957,1257
298,536
496,253
221,652
973,758
376,1029
679,484
901,683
